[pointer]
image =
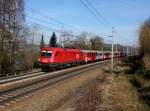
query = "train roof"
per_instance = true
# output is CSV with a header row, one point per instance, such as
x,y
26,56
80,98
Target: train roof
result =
x,y
88,50
60,49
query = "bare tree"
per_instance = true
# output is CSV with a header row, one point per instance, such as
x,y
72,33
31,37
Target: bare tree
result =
x,y
11,24
144,37
81,41
96,42
144,40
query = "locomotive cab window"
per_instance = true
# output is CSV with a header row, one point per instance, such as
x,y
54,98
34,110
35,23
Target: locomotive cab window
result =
x,y
46,53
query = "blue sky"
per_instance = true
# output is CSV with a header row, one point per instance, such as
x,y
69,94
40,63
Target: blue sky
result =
x,y
125,16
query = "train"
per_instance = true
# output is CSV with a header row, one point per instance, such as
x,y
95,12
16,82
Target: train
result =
x,y
52,58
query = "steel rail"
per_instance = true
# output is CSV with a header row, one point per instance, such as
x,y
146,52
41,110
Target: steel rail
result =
x,y
32,74
20,82
18,75
10,95
3,81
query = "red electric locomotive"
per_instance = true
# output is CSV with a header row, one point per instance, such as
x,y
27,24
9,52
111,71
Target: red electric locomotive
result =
x,y
52,58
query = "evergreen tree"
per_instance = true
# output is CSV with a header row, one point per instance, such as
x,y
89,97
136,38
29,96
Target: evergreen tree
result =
x,y
42,44
53,40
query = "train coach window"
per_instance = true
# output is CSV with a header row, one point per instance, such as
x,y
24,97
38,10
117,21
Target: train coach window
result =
x,y
46,54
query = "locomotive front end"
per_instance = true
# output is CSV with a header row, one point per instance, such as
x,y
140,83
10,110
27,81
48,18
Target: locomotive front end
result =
x,y
46,59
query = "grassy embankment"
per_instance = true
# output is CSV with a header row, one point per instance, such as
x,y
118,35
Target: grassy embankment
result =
x,y
139,77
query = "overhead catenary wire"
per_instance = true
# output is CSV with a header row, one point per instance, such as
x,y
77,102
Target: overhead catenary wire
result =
x,y
43,26
99,14
95,15
53,19
92,9
52,29
42,20
48,19
63,24
56,30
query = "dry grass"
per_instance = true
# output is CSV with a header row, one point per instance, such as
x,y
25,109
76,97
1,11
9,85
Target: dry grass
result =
x,y
90,100
146,60
119,95
107,93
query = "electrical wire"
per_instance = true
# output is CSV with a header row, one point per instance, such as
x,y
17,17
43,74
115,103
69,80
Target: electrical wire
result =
x,y
95,14
98,13
52,19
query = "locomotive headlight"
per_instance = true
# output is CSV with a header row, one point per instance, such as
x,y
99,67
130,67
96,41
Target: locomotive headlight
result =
x,y
44,60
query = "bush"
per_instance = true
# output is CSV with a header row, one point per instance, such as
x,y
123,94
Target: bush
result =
x,y
145,72
135,82
135,64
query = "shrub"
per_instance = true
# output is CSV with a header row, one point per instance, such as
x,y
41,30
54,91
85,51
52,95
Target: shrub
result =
x,y
135,82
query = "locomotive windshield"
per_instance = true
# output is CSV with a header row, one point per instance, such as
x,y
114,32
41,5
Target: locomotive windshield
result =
x,y
46,53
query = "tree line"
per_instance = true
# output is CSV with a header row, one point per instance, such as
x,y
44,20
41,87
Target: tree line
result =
x,y
15,52
83,41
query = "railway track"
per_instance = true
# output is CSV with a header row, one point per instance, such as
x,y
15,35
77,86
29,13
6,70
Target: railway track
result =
x,y
19,76
12,94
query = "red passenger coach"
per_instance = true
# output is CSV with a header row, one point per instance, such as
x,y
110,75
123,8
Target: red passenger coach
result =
x,y
117,54
89,55
59,57
106,55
